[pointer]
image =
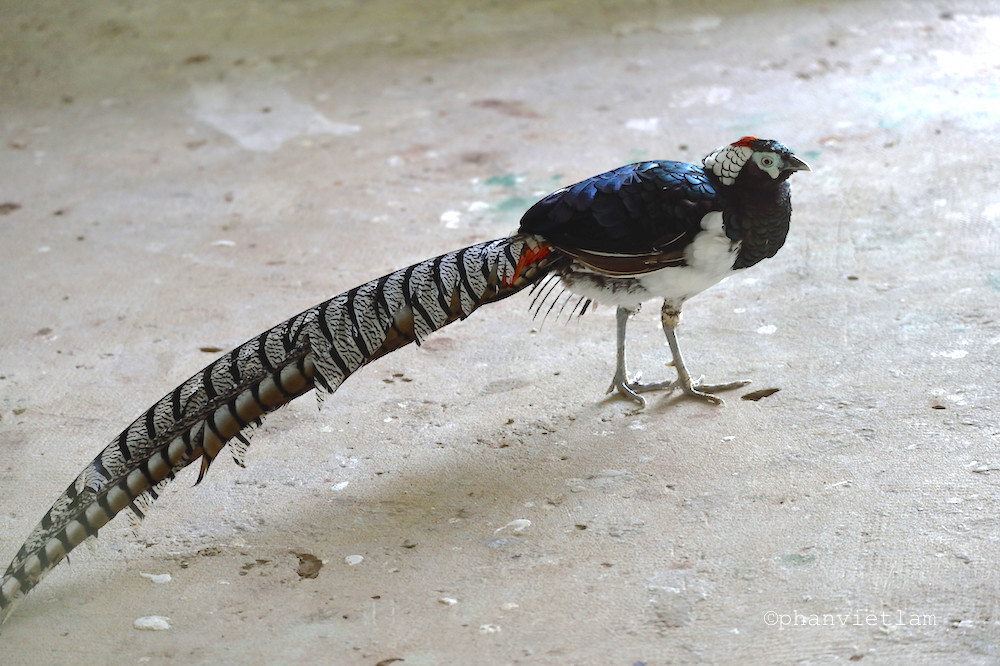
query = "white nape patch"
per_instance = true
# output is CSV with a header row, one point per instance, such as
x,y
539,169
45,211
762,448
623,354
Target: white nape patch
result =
x,y
260,116
709,258
727,161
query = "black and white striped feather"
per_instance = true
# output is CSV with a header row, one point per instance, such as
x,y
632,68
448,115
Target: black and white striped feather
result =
x,y
318,348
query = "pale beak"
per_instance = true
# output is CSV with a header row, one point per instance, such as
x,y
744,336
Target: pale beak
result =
x,y
792,163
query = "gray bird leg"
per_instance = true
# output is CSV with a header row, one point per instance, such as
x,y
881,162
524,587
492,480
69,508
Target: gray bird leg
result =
x,y
669,318
620,380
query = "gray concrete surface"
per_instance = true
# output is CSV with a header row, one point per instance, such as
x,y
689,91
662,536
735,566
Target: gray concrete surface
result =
x,y
179,176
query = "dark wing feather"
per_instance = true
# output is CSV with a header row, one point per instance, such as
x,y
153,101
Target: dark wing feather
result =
x,y
635,219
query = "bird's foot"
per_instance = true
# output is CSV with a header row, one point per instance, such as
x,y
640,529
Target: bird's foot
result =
x,y
693,388
621,384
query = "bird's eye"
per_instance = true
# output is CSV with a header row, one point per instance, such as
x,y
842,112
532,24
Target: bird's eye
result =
x,y
767,161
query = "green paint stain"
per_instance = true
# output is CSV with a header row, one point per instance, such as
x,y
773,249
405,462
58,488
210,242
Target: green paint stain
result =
x,y
515,203
504,180
796,560
994,280
811,155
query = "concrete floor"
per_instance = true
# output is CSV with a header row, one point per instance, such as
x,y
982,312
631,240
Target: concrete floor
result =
x,y
176,177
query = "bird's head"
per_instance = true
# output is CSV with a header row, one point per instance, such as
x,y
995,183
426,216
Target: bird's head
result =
x,y
754,160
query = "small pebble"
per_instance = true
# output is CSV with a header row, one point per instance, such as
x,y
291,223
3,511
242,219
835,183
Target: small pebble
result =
x,y
447,601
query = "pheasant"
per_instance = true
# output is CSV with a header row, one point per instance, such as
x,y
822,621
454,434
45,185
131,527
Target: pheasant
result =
x,y
668,230
648,230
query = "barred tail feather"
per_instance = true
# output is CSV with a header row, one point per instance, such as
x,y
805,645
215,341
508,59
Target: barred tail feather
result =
x,y
318,348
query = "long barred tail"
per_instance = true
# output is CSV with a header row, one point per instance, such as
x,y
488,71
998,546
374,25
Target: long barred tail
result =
x,y
318,348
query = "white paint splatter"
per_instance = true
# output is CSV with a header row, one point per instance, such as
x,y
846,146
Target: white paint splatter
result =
x,y
351,560
260,116
159,579
152,623
992,212
451,219
477,206
954,353
698,96
340,486
447,601
518,525
643,124
489,629
770,329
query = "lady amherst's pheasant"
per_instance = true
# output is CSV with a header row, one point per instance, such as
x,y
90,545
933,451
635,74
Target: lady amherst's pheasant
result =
x,y
655,229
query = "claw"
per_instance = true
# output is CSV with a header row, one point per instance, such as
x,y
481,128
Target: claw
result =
x,y
627,389
695,388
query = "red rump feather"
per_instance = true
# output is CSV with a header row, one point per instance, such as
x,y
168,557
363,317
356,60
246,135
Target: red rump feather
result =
x,y
745,142
529,257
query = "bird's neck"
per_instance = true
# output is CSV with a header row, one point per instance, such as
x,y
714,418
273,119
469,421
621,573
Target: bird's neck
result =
x,y
758,220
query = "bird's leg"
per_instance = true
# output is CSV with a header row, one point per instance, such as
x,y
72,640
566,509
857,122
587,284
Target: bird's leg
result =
x,y
620,381
670,316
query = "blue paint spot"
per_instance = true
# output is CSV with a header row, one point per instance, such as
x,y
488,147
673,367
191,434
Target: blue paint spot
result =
x,y
994,280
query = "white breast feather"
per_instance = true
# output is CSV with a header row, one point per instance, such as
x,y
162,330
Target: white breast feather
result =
x,y
709,260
